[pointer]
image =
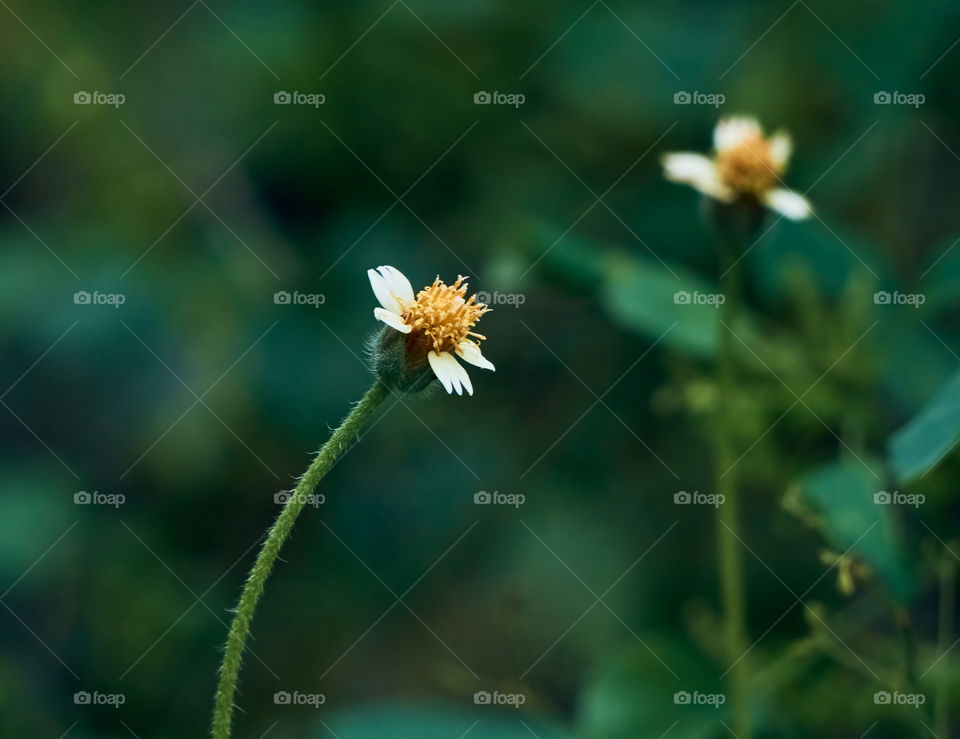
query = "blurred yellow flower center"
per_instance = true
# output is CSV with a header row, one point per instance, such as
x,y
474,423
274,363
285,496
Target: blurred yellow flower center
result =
x,y
443,316
749,167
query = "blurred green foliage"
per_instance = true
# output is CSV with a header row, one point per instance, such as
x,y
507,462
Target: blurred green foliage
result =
x,y
200,397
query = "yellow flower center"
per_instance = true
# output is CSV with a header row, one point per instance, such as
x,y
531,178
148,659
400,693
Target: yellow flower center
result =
x,y
749,167
442,316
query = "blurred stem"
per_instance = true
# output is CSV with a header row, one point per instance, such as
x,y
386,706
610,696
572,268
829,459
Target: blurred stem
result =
x,y
725,454
944,637
902,618
240,628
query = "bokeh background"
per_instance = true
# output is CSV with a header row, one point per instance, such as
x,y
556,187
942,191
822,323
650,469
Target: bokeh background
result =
x,y
199,397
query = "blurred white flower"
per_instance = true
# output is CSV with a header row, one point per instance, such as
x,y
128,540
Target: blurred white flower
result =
x,y
438,323
745,164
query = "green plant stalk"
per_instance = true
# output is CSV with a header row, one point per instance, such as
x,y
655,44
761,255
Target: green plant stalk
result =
x,y
909,650
944,639
337,444
730,553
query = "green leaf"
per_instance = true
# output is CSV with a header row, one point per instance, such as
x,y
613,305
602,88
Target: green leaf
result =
x,y
436,722
640,297
632,694
563,257
661,303
910,362
843,493
919,445
833,259
940,285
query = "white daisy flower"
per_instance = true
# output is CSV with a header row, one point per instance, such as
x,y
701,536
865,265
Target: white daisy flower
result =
x,y
437,321
745,164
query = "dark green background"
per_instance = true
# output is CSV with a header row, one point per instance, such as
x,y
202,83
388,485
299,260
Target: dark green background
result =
x,y
306,199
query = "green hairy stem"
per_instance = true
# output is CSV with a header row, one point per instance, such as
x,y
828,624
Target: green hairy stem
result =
x,y
338,443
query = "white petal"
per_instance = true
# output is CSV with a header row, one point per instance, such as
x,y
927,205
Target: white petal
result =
x,y
793,206
382,291
690,168
781,145
392,320
730,132
696,170
464,377
391,288
449,372
398,284
440,363
470,353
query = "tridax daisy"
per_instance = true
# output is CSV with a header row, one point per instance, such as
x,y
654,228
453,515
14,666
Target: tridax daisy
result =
x,y
745,166
437,323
